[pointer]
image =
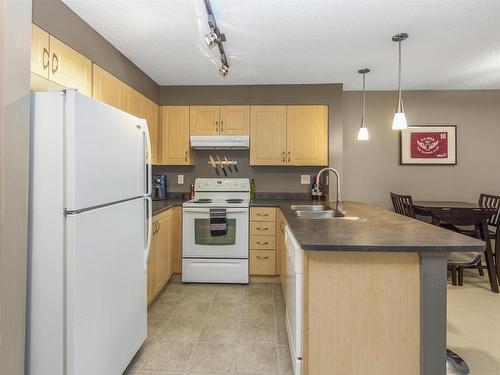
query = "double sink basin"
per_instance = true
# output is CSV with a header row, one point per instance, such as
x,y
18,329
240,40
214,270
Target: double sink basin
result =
x,y
318,211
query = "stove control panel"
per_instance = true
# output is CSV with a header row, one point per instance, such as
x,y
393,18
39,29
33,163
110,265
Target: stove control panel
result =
x,y
222,184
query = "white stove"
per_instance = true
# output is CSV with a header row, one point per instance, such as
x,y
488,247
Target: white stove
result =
x,y
216,259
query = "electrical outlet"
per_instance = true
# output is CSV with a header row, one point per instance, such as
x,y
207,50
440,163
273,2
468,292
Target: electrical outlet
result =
x,y
180,179
305,179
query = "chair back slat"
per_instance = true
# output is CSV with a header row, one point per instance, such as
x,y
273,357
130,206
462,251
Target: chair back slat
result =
x,y
491,201
463,216
403,204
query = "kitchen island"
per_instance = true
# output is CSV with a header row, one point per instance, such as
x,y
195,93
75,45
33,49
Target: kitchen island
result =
x,y
373,291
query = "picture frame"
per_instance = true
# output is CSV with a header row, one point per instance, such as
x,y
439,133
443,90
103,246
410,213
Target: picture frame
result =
x,y
428,145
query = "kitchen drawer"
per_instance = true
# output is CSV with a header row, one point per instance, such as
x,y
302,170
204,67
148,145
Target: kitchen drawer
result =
x,y
262,262
259,228
263,214
262,242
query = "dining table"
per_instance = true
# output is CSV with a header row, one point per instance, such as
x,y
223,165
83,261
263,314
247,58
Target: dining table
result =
x,y
423,208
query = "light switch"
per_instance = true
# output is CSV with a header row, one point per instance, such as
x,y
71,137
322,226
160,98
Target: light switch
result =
x,y
180,179
305,179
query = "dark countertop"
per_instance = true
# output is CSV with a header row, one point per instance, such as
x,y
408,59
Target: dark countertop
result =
x,y
375,230
160,206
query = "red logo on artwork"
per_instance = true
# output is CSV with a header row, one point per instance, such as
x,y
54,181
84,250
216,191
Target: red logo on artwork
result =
x,y
429,145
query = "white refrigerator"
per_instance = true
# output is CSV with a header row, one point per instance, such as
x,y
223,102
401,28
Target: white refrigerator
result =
x,y
89,236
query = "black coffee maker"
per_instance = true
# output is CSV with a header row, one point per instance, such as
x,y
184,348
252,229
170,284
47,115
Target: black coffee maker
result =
x,y
159,188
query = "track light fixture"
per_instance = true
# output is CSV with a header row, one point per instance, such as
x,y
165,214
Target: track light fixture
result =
x,y
215,38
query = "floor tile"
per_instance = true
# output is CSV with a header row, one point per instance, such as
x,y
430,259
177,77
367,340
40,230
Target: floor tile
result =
x,y
200,293
284,361
227,310
220,330
162,310
257,359
258,295
189,309
258,311
231,294
281,331
257,332
212,358
181,330
166,356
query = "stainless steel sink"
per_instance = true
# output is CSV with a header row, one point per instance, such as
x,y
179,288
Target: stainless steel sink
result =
x,y
309,207
325,214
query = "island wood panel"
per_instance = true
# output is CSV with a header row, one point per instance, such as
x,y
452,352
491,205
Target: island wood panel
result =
x,y
362,313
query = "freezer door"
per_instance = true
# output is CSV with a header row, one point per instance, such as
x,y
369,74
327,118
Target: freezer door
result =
x,y
105,288
105,153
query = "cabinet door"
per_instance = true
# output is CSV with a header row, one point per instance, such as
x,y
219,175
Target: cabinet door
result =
x,y
268,135
152,117
106,87
204,120
131,101
234,119
163,251
39,51
175,136
307,135
176,229
151,272
69,68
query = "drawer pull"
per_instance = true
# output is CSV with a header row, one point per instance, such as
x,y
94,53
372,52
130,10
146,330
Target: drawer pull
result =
x,y
259,214
262,228
262,243
262,258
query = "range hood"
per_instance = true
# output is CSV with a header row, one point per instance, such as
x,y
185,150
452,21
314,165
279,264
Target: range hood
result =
x,y
220,142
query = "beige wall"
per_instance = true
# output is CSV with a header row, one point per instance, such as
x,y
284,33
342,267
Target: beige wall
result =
x,y
59,20
15,49
372,170
268,179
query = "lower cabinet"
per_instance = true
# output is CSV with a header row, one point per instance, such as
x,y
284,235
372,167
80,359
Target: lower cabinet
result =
x,y
281,223
165,246
262,241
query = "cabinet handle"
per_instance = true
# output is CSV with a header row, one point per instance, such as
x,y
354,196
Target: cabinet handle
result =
x,y
45,53
262,258
284,157
262,228
186,157
217,126
259,214
289,156
262,243
222,126
56,65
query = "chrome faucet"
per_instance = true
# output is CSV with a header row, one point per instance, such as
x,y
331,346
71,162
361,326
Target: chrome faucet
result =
x,y
338,204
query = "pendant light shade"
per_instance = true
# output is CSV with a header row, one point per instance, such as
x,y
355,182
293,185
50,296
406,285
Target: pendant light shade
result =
x,y
363,130
399,121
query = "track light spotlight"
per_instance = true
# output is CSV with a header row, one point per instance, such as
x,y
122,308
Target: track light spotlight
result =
x,y
211,38
224,69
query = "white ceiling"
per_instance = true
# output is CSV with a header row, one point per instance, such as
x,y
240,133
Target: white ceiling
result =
x,y
453,44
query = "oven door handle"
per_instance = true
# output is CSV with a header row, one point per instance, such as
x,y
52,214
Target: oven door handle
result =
x,y
207,210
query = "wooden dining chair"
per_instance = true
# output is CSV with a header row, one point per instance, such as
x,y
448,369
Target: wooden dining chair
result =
x,y
403,205
477,217
491,201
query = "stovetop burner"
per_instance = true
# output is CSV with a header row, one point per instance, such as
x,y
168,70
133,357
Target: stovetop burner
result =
x,y
203,200
234,200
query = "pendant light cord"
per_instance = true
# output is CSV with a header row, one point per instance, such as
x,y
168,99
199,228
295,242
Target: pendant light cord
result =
x,y
399,77
364,102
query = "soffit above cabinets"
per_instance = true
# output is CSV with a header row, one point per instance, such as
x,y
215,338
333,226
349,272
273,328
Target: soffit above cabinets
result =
x,y
451,44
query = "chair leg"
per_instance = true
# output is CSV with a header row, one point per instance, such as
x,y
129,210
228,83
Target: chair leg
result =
x,y
454,275
460,276
490,263
480,269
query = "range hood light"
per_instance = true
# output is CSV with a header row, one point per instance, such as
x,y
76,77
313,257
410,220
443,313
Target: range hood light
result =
x,y
220,142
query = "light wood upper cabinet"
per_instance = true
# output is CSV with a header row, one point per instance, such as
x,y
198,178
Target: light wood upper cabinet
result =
x,y
40,51
307,135
234,119
204,120
174,130
268,135
106,87
69,68
151,114
131,101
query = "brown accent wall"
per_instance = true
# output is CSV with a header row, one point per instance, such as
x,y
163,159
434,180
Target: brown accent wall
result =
x,y
372,170
59,20
267,179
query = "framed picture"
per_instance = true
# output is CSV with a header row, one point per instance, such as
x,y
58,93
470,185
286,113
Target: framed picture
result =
x,y
429,145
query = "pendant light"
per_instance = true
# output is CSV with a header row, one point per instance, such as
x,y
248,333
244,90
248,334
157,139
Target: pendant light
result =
x,y
399,121
363,131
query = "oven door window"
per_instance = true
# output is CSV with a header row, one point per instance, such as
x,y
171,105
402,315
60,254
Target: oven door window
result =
x,y
202,234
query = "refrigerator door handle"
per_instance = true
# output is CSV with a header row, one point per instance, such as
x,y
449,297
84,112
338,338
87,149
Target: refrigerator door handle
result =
x,y
149,157
149,201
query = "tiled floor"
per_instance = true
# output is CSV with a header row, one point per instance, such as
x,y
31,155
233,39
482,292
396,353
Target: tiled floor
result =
x,y
214,330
